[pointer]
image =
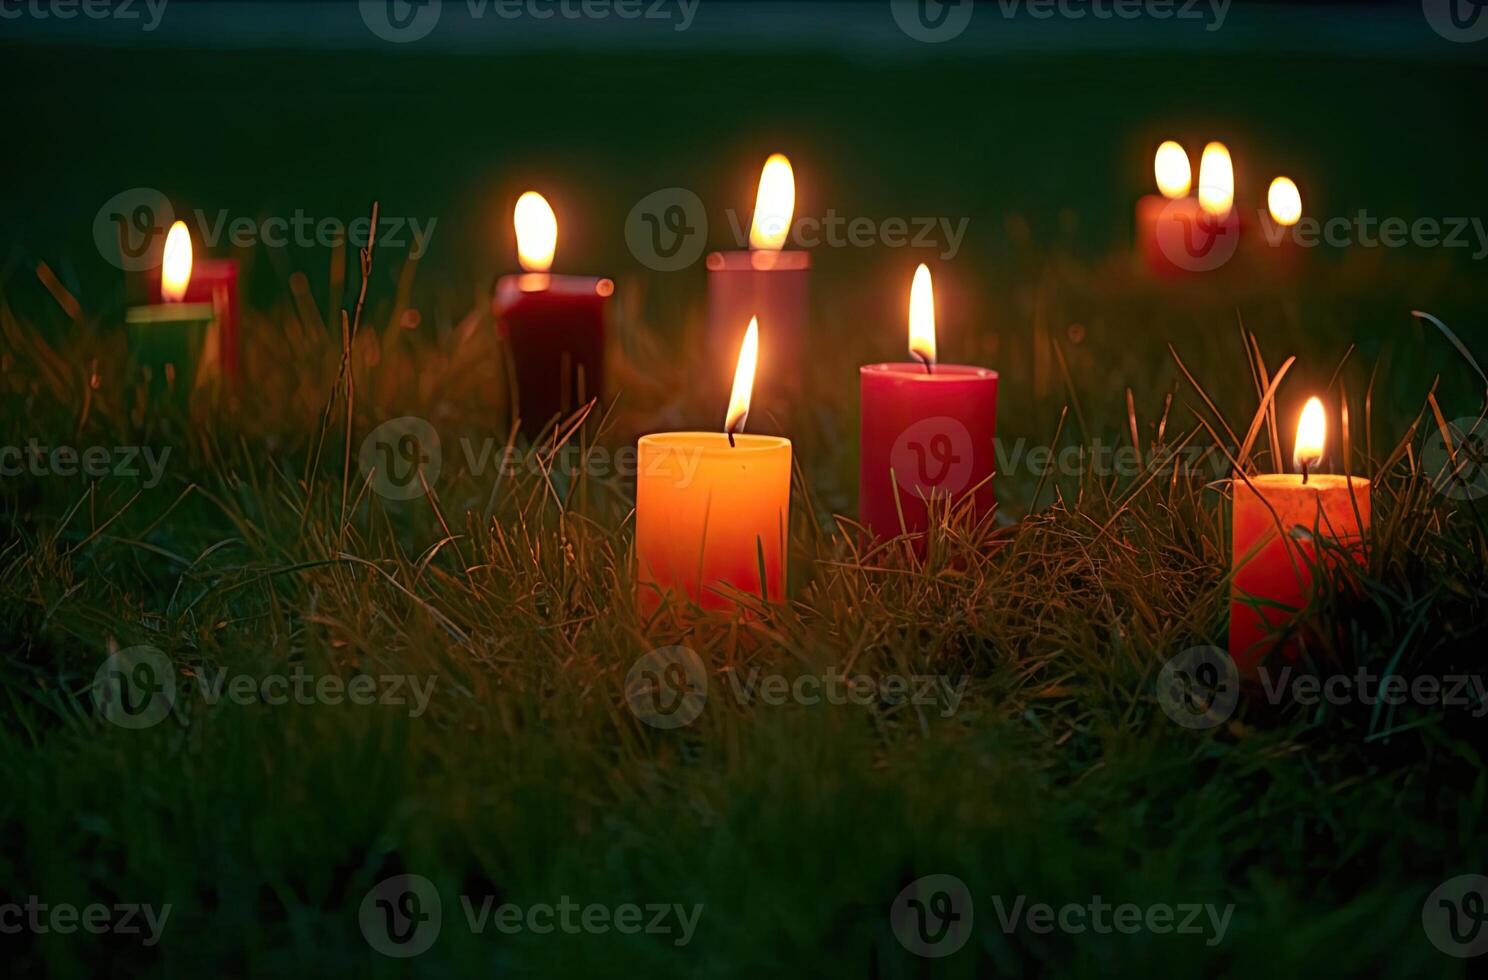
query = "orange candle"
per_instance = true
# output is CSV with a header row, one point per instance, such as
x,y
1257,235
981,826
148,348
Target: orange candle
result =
x,y
1278,520
713,508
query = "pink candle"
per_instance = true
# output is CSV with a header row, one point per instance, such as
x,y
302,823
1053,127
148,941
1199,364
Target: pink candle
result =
x,y
554,325
927,431
766,282
215,281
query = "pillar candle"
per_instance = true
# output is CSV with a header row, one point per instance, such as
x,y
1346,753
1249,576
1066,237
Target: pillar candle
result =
x,y
1278,518
927,431
713,508
1179,234
215,281
766,282
1279,253
553,325
167,339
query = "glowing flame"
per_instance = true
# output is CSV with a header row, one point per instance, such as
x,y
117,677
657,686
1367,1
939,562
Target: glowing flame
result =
x,y
1174,175
1312,430
774,205
1285,201
738,409
537,232
922,316
175,269
1216,180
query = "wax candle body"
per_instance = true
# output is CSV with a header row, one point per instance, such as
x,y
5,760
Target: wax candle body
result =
x,y
215,281
924,435
555,329
710,516
1176,237
1276,519
166,343
773,286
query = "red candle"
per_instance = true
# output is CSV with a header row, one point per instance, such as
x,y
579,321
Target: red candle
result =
x,y
1179,234
766,282
215,281
554,326
927,431
1278,520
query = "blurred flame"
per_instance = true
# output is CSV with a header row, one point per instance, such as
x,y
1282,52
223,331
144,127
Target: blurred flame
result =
x,y
1312,430
1174,174
1216,180
1285,201
738,409
774,204
537,232
175,269
922,316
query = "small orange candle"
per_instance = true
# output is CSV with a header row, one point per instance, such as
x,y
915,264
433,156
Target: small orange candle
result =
x,y
713,508
1278,519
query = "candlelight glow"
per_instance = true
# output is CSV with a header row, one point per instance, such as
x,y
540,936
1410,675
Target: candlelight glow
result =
x,y
175,269
774,205
922,316
537,232
1216,180
1312,430
738,409
1285,201
1174,174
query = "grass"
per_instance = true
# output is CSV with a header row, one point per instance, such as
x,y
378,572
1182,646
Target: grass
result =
x,y
528,779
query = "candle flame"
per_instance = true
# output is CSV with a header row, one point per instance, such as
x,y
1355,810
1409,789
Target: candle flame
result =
x,y
922,316
774,205
537,232
1285,201
738,409
1312,431
1216,180
175,269
1174,174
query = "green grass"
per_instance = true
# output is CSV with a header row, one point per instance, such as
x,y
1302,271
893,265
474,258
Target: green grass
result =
x,y
528,779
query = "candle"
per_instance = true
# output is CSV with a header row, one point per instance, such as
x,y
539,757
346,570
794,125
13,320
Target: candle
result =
x,y
927,431
1169,212
1284,209
554,326
215,281
766,282
1181,234
1278,518
167,339
713,508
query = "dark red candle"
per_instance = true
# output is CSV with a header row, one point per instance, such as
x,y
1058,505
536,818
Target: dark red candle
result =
x,y
928,432
214,281
554,326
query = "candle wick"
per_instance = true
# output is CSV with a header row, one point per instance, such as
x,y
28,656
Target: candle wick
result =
x,y
1304,473
929,364
731,442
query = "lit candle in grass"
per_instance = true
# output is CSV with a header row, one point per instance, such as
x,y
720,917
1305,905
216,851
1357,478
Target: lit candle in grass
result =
x,y
554,326
167,339
927,430
1163,218
767,281
1283,211
1284,525
713,508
